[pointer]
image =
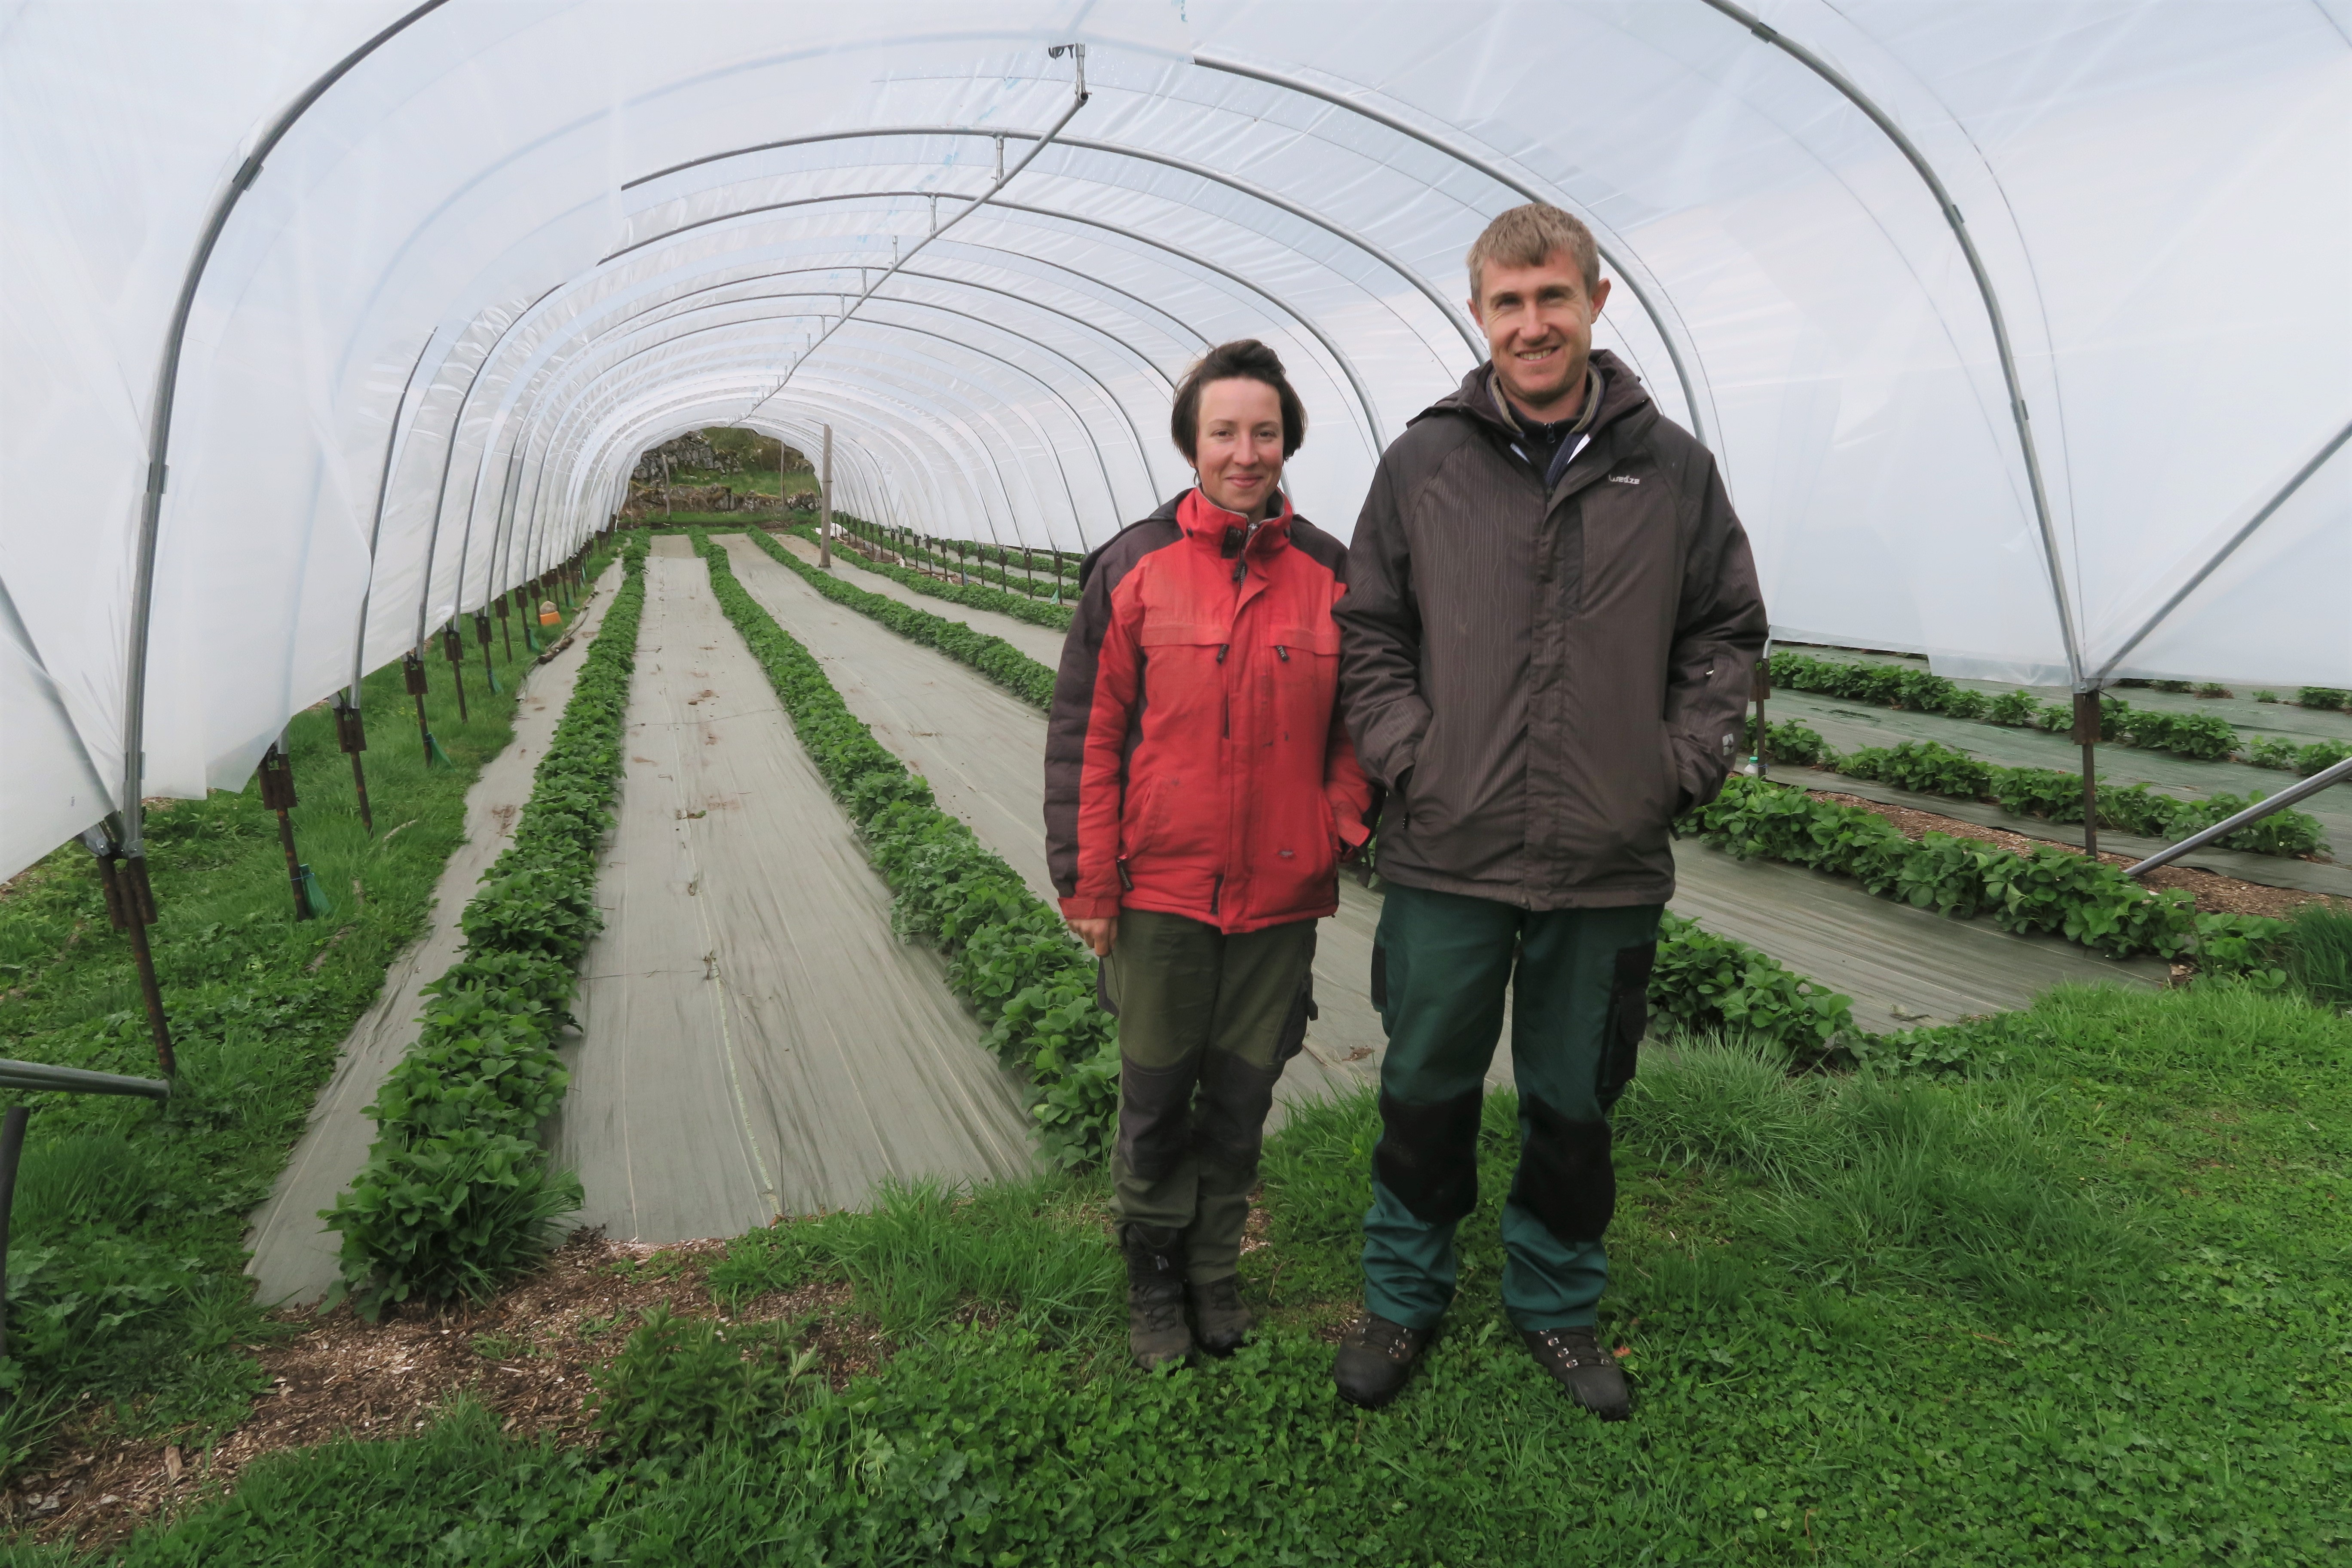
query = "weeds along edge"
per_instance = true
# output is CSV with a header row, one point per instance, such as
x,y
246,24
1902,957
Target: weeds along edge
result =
x,y
457,1192
1007,950
1700,981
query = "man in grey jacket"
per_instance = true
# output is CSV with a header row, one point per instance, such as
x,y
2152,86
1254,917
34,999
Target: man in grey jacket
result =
x,y
1551,625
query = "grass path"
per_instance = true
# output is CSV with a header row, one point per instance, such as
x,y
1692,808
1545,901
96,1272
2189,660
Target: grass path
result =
x,y
2089,1312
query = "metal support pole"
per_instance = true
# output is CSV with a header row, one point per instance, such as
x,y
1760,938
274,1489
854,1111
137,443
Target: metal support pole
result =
x,y
453,644
411,669
350,735
131,907
1762,689
12,1149
824,505
2254,813
2087,735
277,775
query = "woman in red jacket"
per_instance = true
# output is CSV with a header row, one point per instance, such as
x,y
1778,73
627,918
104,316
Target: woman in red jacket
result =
x,y
1200,796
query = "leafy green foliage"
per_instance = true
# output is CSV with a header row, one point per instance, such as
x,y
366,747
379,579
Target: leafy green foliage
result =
x,y
1792,741
2053,891
2092,1313
2289,756
2319,954
1008,951
456,1196
2198,735
144,1309
2323,696
992,656
924,1250
1934,769
1704,981
78,1179
681,1383
1020,603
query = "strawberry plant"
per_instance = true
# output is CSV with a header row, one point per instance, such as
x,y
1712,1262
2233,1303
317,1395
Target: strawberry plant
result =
x,y
2051,890
455,1197
1020,606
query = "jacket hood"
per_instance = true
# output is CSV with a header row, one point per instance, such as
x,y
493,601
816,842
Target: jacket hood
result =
x,y
1621,393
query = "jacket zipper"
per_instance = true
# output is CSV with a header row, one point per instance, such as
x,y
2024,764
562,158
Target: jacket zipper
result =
x,y
1225,697
1124,880
1216,891
1282,653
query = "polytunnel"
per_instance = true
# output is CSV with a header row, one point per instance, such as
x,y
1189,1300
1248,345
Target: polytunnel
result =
x,y
2021,334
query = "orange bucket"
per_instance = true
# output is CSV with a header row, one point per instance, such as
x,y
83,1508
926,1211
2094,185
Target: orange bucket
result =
x,y
547,614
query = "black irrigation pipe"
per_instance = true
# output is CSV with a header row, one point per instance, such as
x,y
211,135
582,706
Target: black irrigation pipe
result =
x,y
40,1077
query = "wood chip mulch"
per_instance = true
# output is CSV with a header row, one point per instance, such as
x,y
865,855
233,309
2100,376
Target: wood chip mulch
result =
x,y
526,1354
2214,893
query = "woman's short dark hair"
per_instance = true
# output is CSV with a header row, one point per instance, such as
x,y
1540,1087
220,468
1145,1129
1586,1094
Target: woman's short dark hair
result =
x,y
1244,359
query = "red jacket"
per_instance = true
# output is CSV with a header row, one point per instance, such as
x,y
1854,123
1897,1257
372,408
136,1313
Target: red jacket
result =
x,y
1196,763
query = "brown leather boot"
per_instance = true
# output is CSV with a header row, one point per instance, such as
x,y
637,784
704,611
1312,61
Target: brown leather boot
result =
x,y
1376,1360
1156,1333
1220,1320
1577,1362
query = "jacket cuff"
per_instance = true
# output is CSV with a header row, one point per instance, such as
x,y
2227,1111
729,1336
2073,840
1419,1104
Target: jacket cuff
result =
x,y
1085,909
1352,831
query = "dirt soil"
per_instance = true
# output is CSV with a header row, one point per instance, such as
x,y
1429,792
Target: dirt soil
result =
x,y
527,1354
2214,893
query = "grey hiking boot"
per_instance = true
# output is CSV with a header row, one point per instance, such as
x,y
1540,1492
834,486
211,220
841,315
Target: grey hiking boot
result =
x,y
1156,1334
1577,1362
1219,1316
1375,1360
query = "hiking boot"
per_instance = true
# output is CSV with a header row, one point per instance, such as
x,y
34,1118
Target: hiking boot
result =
x,y
1375,1360
1577,1362
1156,1334
1218,1315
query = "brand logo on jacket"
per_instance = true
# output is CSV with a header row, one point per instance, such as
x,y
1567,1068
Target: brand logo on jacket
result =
x,y
1623,479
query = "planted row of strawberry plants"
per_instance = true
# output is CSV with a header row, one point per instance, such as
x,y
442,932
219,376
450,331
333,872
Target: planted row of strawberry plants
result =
x,y
1701,980
971,595
974,562
2057,796
2050,794
2198,735
992,656
456,1194
2053,891
1008,951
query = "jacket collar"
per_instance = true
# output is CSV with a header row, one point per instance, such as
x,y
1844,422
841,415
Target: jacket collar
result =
x,y
1478,397
1226,532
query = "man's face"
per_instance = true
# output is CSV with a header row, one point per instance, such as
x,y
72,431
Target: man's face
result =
x,y
1538,322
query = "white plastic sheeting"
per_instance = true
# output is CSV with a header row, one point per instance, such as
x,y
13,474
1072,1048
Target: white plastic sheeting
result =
x,y
516,243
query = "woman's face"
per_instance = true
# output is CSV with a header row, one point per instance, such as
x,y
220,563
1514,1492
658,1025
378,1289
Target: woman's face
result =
x,y
1238,453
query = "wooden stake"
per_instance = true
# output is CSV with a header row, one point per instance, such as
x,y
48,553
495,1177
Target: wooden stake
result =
x,y
2087,735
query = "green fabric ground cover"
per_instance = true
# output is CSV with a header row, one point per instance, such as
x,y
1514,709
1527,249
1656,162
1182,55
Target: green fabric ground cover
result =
x,y
131,1294
1008,951
456,1194
2092,1310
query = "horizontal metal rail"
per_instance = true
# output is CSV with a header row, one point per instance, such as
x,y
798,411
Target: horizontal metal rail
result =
x,y
79,1080
2300,790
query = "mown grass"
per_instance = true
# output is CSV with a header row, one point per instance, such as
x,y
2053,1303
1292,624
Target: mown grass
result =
x,y
126,1289
2094,1309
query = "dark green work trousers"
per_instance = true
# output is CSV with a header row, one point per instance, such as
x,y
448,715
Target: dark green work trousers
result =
x,y
1578,983
1205,1022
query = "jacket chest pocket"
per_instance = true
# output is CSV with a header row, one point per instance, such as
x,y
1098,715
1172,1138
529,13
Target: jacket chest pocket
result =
x,y
1184,677
1302,670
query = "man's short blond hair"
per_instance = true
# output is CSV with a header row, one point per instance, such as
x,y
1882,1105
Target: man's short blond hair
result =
x,y
1524,235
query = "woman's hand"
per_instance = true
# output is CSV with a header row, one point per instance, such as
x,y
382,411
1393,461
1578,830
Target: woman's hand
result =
x,y
1097,934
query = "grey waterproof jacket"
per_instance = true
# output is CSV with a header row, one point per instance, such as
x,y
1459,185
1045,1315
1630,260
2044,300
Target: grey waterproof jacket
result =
x,y
1544,679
